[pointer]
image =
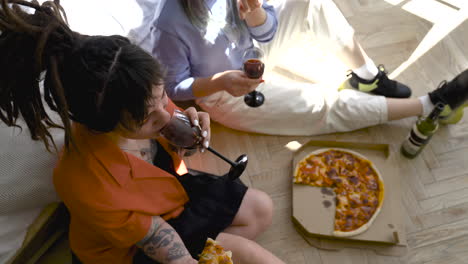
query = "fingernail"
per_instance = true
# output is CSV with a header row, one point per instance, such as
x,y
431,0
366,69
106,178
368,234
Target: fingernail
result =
x,y
195,122
202,150
204,134
206,144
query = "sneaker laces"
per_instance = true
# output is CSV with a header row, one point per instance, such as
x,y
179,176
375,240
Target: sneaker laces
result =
x,y
381,68
442,83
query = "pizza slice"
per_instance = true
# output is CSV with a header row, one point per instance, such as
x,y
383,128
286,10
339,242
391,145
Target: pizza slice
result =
x,y
214,253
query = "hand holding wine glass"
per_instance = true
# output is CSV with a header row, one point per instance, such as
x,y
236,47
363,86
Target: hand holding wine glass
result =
x,y
182,132
235,82
254,68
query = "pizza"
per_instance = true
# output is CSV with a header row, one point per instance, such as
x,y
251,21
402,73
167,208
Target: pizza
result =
x,y
213,253
356,182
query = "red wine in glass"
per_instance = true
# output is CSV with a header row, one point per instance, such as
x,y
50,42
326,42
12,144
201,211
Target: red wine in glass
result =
x,y
253,68
180,132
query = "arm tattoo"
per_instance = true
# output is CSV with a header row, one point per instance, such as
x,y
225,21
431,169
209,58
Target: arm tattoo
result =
x,y
165,244
154,226
176,251
163,238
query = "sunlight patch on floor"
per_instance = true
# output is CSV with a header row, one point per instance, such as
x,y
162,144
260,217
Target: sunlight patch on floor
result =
x,y
444,17
293,145
394,2
432,11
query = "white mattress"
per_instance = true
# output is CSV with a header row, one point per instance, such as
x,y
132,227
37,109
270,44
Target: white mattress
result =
x,y
25,185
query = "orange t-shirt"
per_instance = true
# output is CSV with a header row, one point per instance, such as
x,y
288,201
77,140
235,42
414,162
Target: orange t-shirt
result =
x,y
112,197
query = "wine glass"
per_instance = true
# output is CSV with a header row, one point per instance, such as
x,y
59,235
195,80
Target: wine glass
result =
x,y
180,132
253,67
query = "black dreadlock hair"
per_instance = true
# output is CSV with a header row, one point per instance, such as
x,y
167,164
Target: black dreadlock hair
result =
x,y
93,80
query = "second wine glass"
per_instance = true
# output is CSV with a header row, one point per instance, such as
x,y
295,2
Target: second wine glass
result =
x,y
254,67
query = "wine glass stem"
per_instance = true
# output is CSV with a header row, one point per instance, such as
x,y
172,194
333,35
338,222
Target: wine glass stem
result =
x,y
221,156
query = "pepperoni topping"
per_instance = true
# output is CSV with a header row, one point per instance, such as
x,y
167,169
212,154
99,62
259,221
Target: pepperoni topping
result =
x,y
354,180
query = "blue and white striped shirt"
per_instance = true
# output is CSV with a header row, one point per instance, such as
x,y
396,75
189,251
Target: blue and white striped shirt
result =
x,y
188,54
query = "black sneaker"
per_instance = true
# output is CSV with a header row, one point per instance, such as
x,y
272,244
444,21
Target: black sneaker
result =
x,y
455,95
380,85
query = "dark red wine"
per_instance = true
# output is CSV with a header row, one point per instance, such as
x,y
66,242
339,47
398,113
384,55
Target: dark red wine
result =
x,y
181,134
254,68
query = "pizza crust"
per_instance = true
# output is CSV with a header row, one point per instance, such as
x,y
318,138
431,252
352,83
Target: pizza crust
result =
x,y
364,227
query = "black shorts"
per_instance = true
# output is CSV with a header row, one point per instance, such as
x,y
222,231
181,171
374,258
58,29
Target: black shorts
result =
x,y
213,203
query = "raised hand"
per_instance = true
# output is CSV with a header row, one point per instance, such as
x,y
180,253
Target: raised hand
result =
x,y
248,6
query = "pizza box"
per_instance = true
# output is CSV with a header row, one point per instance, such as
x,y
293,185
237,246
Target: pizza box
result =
x,y
313,208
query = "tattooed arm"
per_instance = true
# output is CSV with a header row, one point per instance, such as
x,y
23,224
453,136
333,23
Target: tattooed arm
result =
x,y
163,244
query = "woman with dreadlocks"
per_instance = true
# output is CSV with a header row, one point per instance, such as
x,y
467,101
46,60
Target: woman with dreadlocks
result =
x,y
109,96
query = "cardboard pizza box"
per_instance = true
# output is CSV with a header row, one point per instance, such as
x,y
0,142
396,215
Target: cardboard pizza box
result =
x,y
314,207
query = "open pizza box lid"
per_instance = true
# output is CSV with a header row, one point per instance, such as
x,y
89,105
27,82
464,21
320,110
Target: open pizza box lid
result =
x,y
314,207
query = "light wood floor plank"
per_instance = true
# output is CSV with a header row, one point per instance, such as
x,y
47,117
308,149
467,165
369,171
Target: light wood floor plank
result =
x,y
444,216
438,234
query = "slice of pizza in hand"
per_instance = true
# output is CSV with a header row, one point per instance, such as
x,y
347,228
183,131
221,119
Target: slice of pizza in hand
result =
x,y
214,253
355,180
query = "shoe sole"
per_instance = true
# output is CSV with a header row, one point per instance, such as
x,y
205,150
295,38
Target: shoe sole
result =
x,y
362,87
346,85
455,116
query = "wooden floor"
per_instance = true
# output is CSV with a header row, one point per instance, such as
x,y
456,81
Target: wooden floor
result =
x,y
434,185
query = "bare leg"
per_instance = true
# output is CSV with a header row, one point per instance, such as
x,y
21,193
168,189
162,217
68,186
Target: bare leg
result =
x,y
254,216
402,108
246,251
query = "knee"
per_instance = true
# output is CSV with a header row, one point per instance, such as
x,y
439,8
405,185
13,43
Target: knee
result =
x,y
263,210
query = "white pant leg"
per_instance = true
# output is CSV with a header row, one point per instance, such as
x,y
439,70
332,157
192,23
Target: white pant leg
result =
x,y
329,25
297,108
319,19
292,25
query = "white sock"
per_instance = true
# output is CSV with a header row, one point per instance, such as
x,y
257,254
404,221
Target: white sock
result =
x,y
427,105
367,71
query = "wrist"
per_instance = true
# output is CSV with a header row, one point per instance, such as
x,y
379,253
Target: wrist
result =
x,y
202,87
218,82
